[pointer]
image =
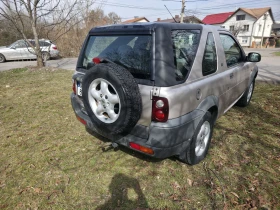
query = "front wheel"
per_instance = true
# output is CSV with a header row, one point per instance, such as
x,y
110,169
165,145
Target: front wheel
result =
x,y
200,143
246,98
2,58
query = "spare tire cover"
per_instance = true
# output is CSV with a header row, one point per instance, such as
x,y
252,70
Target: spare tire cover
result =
x,y
111,98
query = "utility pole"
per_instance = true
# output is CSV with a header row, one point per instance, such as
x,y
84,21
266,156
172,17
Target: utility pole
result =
x,y
265,17
182,11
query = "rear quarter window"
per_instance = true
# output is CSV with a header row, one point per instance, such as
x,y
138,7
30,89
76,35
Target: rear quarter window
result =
x,y
209,62
185,44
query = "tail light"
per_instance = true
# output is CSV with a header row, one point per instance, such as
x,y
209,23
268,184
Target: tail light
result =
x,y
160,109
96,60
54,47
141,148
74,87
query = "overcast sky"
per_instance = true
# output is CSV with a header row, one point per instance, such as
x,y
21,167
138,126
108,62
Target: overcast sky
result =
x,y
153,9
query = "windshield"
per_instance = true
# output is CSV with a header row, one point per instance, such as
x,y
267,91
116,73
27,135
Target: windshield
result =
x,y
130,51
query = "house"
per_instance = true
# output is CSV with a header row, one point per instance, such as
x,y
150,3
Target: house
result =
x,y
187,19
137,19
252,27
276,29
217,19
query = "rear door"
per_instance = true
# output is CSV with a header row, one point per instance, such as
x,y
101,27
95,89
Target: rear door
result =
x,y
29,53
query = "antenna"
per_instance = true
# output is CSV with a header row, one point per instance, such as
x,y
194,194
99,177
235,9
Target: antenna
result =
x,y
171,14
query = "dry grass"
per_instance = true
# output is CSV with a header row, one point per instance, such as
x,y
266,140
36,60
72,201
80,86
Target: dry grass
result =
x,y
49,161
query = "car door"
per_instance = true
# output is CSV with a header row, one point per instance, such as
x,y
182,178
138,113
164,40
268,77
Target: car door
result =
x,y
22,50
28,52
15,51
234,58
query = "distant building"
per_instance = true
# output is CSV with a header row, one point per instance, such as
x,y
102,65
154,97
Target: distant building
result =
x,y
276,29
137,20
217,19
187,19
249,25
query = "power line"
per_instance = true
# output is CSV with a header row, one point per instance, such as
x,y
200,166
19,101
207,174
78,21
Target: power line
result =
x,y
200,11
155,8
131,6
229,5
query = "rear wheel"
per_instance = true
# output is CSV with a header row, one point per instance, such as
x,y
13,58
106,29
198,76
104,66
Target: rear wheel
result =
x,y
46,56
2,58
200,143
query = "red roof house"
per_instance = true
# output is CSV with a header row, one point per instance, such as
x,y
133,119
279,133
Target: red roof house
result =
x,y
217,18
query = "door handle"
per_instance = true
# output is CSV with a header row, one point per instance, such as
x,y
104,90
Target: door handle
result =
x,y
231,75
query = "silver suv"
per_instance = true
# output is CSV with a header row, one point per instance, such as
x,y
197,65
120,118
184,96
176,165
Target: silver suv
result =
x,y
21,50
158,88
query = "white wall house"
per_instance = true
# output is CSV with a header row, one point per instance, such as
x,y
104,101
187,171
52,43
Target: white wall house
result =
x,y
252,24
249,24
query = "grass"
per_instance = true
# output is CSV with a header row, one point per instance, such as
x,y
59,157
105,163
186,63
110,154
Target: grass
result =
x,y
277,53
49,161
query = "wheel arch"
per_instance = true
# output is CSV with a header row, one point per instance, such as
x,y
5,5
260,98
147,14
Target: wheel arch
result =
x,y
3,57
211,104
254,74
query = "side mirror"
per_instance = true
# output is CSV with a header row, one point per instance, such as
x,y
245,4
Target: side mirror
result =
x,y
254,57
13,47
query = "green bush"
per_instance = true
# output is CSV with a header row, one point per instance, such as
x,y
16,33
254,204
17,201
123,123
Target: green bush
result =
x,y
277,43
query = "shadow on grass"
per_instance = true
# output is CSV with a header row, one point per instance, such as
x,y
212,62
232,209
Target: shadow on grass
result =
x,y
126,193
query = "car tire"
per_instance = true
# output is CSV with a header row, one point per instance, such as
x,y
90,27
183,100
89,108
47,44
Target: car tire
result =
x,y
111,98
246,98
2,58
201,139
46,56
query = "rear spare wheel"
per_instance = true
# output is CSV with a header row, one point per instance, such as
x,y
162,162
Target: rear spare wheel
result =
x,y
111,98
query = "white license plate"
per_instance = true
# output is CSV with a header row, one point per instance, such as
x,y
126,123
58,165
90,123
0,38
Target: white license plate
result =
x,y
79,89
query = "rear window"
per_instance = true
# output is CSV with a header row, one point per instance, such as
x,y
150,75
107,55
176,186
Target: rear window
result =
x,y
134,52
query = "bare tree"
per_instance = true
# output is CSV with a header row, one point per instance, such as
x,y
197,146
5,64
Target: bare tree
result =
x,y
237,28
113,18
53,18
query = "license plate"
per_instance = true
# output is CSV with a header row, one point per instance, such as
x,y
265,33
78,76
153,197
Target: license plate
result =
x,y
79,89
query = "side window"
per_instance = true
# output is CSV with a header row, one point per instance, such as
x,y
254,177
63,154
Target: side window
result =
x,y
185,44
32,42
233,52
209,63
20,44
44,44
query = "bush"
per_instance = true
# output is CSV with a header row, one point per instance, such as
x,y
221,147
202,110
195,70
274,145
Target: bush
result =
x,y
277,43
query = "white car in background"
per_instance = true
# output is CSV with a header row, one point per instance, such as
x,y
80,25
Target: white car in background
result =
x,y
21,50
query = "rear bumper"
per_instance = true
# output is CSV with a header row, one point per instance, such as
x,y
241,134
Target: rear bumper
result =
x,y
54,53
165,139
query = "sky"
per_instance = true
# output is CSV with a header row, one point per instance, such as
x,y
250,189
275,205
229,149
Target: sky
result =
x,y
153,9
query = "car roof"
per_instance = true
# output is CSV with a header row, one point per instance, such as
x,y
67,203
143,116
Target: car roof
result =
x,y
151,26
45,40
